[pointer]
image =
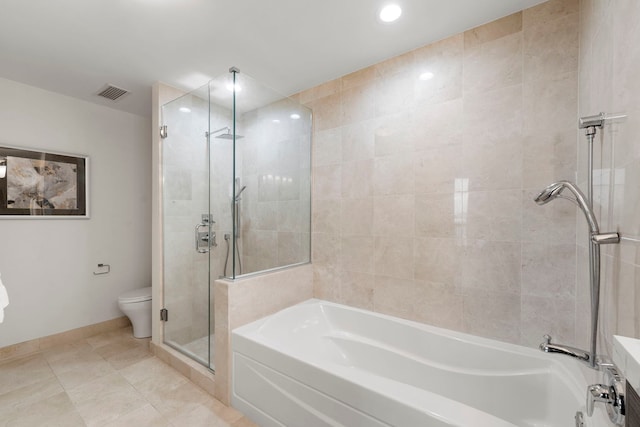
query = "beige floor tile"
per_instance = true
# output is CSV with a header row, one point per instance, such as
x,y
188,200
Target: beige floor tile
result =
x,y
199,416
129,356
22,372
56,410
108,380
65,351
146,416
103,400
179,401
29,394
152,374
73,369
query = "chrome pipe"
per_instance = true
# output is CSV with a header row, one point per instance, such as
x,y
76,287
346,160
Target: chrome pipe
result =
x,y
594,279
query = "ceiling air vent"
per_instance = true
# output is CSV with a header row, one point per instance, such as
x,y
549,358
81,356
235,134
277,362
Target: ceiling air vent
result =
x,y
113,93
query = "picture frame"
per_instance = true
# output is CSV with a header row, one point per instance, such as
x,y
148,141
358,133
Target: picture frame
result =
x,y
42,184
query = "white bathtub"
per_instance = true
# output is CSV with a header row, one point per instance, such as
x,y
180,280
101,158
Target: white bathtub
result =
x,y
324,364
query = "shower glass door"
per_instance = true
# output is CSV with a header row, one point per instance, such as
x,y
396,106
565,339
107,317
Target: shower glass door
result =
x,y
188,226
236,197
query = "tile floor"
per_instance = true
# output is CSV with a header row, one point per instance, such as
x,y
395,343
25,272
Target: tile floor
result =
x,y
109,380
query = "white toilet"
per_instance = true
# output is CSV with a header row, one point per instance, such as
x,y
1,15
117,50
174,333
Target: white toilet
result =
x,y
136,304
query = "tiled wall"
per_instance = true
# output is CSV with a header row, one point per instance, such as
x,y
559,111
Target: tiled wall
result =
x,y
609,69
275,167
423,189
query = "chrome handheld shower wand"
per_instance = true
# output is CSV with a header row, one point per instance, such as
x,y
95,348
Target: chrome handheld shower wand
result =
x,y
596,239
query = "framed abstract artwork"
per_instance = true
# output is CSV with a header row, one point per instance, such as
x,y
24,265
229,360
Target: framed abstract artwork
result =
x,y
38,184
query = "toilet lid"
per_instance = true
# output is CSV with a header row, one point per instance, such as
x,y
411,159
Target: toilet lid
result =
x,y
136,295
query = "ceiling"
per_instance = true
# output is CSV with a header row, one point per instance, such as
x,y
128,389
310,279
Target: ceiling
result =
x,y
75,47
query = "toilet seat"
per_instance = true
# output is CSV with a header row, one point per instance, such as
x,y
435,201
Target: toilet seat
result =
x,y
136,295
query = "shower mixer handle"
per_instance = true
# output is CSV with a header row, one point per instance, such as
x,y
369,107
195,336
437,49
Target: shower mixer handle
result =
x,y
611,394
205,239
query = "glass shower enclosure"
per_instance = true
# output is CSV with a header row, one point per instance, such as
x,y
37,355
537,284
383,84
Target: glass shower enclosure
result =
x,y
236,197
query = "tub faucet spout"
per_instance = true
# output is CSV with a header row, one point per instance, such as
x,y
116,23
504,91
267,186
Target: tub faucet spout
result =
x,y
549,347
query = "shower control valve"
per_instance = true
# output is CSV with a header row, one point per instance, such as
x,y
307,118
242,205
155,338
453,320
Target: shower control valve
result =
x,y
611,394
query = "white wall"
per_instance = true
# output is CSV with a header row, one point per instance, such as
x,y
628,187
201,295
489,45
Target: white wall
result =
x,y
47,265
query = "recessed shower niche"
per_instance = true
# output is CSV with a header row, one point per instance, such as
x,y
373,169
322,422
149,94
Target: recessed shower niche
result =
x,y
236,197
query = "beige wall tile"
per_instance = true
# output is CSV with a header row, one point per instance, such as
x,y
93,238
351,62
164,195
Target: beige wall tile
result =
x,y
395,93
493,165
327,147
491,266
551,48
326,215
437,180
394,296
358,141
436,215
357,179
436,261
549,157
393,175
549,11
439,305
557,319
559,90
356,217
327,112
356,289
437,169
551,223
325,249
357,254
444,60
439,125
494,64
358,104
393,257
548,270
494,30
394,216
327,182
494,215
492,315
365,76
394,135
397,64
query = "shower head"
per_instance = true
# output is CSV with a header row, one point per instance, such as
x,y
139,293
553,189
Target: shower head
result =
x,y
554,191
226,134
550,193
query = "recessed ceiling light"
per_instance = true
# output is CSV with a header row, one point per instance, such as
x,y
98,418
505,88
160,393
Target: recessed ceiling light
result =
x,y
295,116
427,75
390,13
275,121
185,109
231,86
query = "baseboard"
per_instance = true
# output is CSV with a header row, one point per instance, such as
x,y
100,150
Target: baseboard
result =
x,y
39,344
